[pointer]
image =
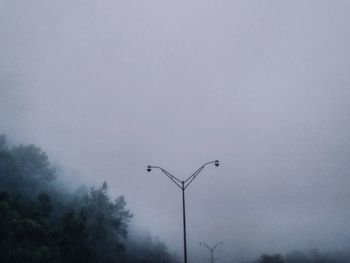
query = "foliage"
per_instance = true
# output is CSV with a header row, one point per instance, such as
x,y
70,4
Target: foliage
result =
x,y
312,256
271,259
41,224
24,170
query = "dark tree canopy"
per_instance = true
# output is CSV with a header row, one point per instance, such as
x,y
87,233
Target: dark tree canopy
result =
x,y
41,224
311,256
271,259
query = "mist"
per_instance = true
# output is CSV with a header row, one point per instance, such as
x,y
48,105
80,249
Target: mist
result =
x,y
108,87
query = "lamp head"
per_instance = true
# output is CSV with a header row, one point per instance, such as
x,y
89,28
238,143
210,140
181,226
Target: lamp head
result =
x,y
216,163
149,168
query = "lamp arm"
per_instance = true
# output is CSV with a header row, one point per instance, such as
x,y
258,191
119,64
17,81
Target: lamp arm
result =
x,y
206,246
219,243
169,175
194,175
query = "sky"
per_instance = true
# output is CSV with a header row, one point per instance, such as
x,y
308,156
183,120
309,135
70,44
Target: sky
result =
x,y
107,87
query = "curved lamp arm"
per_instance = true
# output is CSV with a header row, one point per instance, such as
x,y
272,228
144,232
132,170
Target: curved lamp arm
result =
x,y
205,245
219,243
183,184
171,177
194,175
211,249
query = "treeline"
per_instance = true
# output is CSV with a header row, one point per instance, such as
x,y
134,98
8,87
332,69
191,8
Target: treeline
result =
x,y
312,256
40,223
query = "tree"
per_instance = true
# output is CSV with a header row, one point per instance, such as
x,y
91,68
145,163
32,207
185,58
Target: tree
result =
x,y
24,170
25,231
145,249
296,257
7,167
271,259
40,223
74,243
33,169
107,224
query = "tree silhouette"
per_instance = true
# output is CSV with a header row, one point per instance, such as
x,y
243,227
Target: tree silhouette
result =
x,y
271,259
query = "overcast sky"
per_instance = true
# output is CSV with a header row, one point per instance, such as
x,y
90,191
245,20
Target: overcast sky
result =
x,y
107,87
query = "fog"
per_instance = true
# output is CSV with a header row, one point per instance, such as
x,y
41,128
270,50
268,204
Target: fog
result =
x,y
107,87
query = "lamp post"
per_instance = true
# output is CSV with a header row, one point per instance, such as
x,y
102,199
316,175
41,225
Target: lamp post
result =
x,y
183,185
211,249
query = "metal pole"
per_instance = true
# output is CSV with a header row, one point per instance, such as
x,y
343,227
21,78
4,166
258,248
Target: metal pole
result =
x,y
184,220
183,185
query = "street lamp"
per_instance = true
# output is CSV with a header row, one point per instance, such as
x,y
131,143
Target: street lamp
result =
x,y
211,249
183,185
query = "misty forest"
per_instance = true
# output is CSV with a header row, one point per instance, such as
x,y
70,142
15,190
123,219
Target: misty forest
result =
x,y
40,222
168,131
